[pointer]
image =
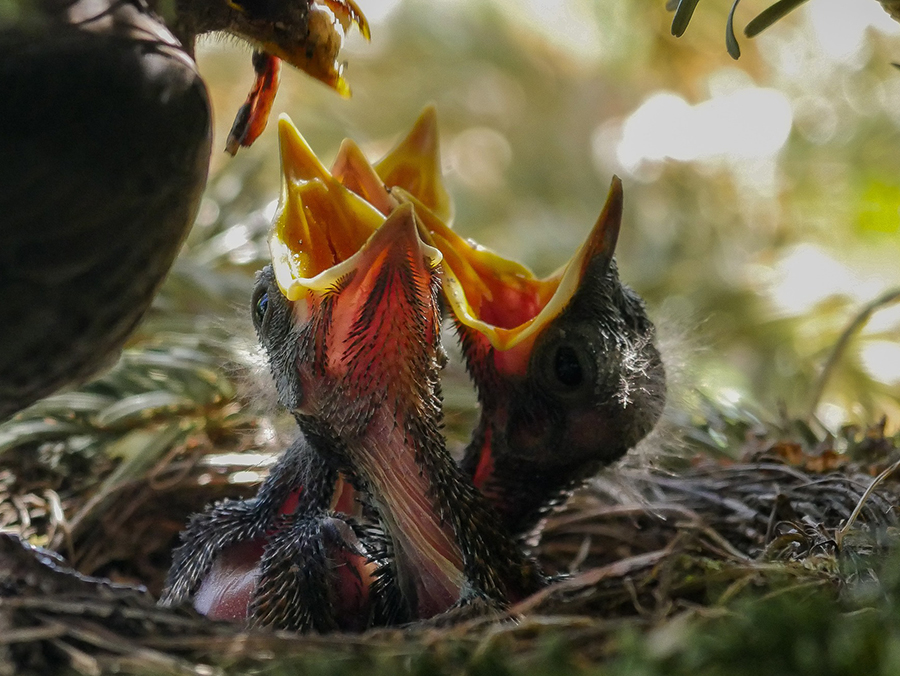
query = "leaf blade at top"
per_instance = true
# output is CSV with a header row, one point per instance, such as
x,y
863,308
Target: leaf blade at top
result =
x,y
770,15
683,13
731,43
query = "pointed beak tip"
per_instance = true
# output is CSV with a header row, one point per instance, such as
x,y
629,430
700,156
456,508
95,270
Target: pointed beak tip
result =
x,y
610,220
286,129
424,135
428,117
298,160
616,196
601,243
401,232
287,133
349,153
400,226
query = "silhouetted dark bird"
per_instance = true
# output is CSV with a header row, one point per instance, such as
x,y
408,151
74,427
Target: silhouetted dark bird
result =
x,y
106,139
105,136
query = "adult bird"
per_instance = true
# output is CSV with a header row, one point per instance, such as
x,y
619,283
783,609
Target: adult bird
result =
x,y
105,136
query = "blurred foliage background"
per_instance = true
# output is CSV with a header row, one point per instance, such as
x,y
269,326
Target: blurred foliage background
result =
x,y
761,194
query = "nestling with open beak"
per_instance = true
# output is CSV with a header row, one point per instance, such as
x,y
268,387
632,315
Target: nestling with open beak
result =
x,y
568,376
240,559
362,377
566,369
354,343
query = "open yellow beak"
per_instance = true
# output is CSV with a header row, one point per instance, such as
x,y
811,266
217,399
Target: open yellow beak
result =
x,y
320,226
502,299
326,216
319,223
414,165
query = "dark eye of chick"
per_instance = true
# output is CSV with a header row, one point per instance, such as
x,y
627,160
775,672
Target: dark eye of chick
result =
x,y
567,367
260,307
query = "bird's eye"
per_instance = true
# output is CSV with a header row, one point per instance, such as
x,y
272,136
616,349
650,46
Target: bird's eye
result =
x,y
565,367
260,307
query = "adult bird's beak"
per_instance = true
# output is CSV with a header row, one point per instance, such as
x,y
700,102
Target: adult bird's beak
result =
x,y
318,54
307,35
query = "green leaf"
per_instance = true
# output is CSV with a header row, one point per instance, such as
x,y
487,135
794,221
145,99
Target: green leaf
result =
x,y
15,434
770,15
682,18
139,450
69,405
140,408
731,43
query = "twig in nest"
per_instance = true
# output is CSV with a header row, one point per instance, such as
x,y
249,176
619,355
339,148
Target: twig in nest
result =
x,y
858,322
58,521
862,501
590,578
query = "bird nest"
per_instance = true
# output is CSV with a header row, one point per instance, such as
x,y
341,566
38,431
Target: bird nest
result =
x,y
643,545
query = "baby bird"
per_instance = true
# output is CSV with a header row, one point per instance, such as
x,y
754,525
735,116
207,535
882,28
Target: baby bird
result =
x,y
566,368
353,338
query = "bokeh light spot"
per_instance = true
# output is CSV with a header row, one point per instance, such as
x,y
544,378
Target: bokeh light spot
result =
x,y
751,122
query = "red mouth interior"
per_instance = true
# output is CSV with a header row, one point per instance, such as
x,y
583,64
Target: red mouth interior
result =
x,y
511,306
514,299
